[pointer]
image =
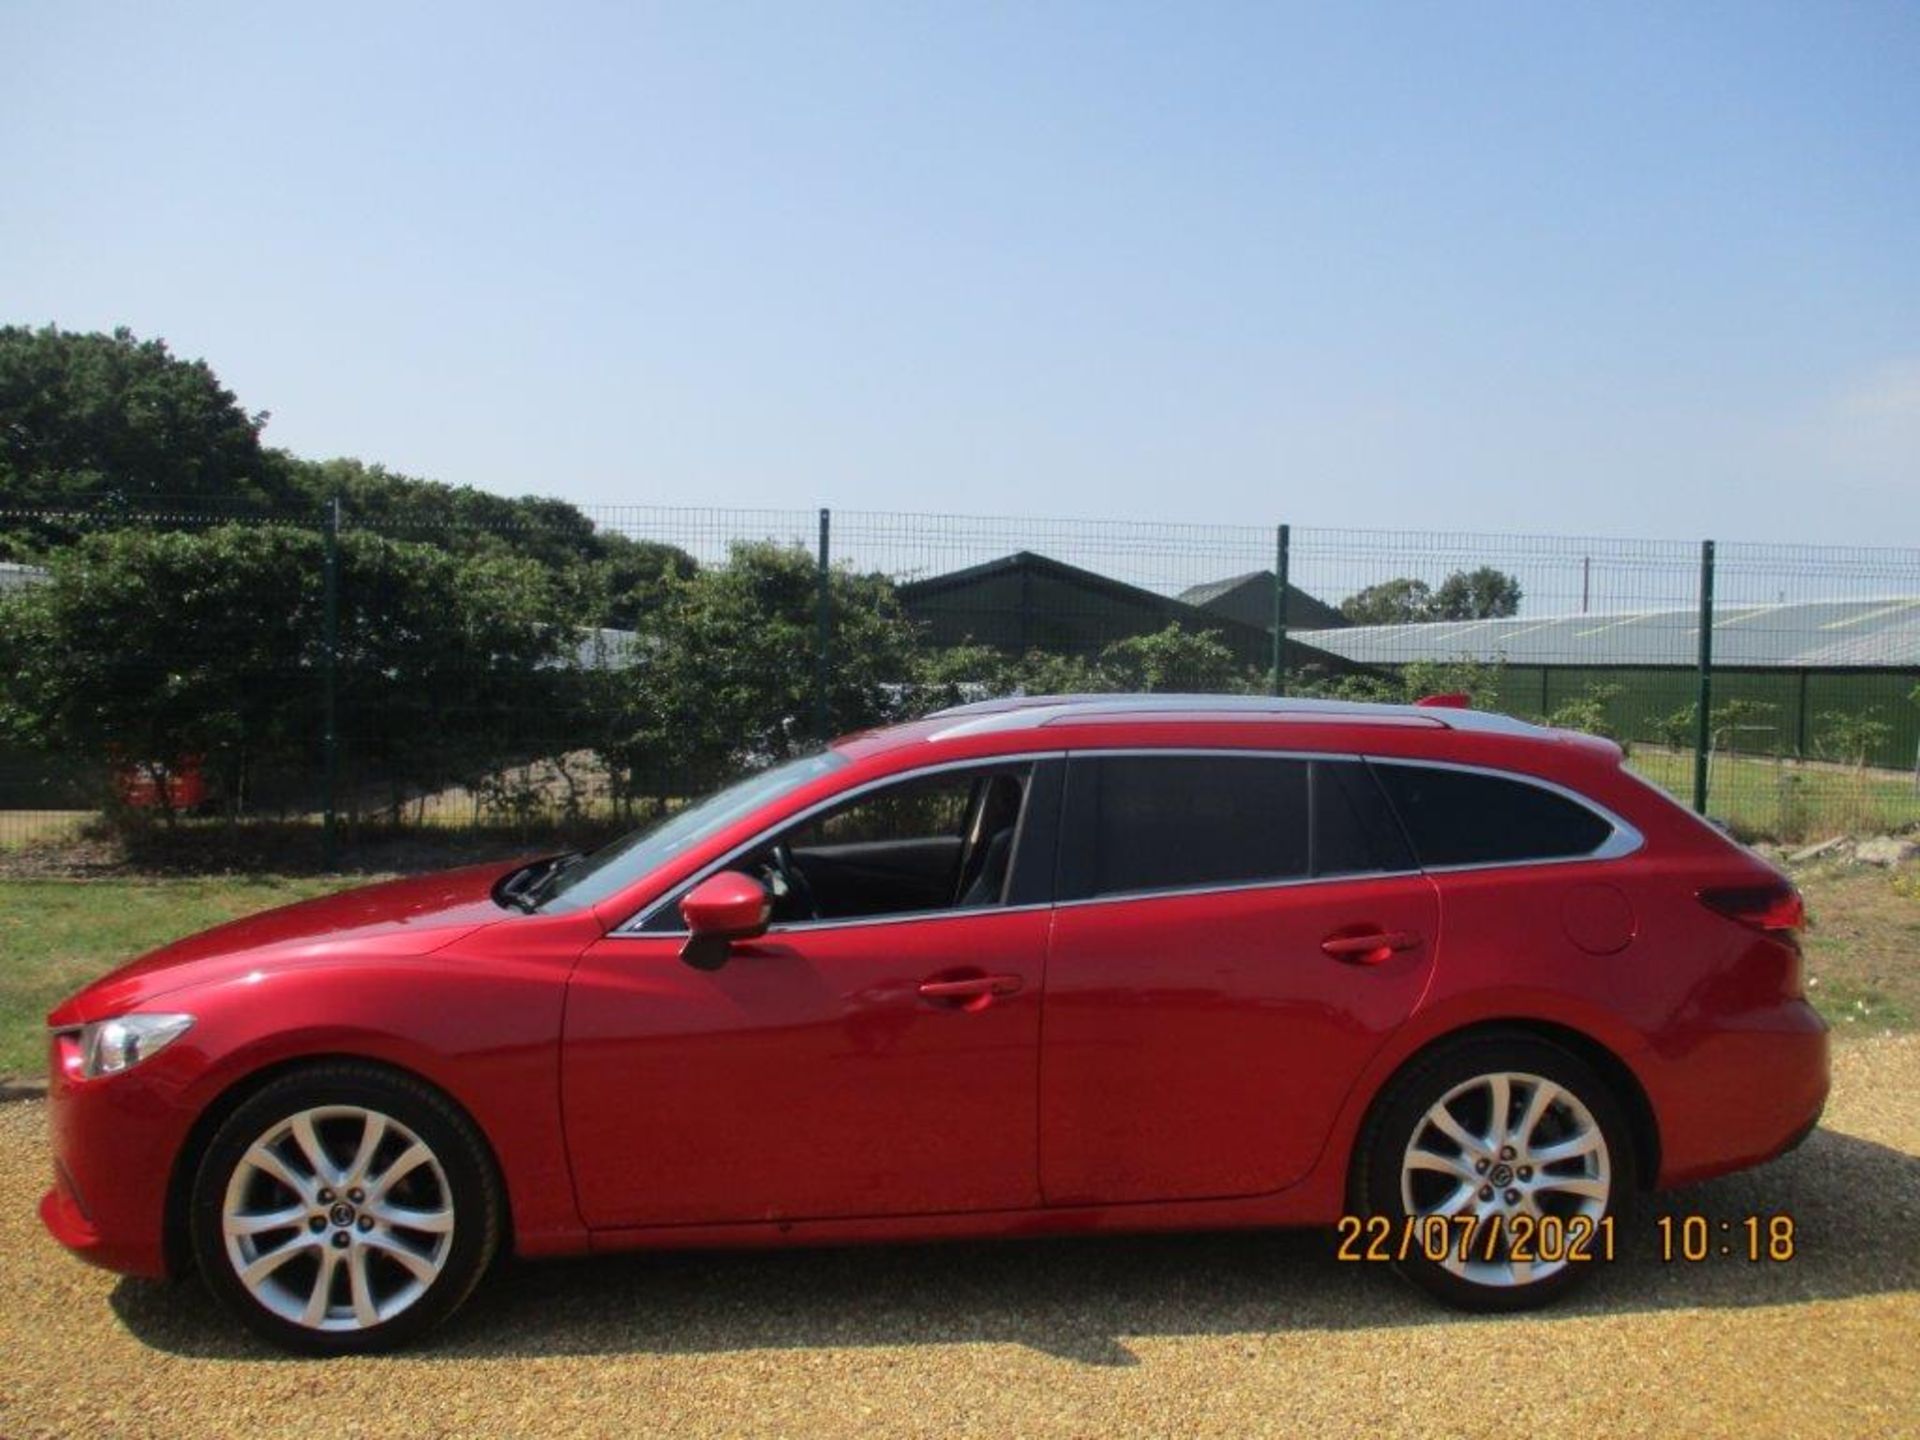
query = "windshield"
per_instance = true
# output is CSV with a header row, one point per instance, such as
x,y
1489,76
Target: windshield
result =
x,y
618,864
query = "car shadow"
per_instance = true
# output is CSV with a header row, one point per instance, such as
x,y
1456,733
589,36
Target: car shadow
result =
x,y
1853,1203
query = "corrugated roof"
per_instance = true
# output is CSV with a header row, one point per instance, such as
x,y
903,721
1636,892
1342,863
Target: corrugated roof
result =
x,y
1810,635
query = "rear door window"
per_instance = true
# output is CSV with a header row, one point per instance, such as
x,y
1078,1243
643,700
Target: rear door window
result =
x,y
1354,829
1173,822
1469,817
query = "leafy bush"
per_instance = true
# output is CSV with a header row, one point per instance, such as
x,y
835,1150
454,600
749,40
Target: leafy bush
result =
x,y
1851,735
148,648
1588,712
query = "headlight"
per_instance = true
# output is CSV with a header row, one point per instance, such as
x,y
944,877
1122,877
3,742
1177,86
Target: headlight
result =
x,y
109,1046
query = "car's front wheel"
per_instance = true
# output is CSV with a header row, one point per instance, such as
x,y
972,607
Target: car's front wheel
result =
x,y
344,1208
1502,1159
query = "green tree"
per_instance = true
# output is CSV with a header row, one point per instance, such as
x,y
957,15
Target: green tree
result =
x,y
1405,601
1482,594
1478,680
110,422
95,428
451,517
1727,723
1173,660
1852,735
151,647
726,676
959,675
1676,731
635,578
1589,712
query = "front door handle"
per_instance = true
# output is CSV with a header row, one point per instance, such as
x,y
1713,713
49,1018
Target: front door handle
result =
x,y
1371,948
970,992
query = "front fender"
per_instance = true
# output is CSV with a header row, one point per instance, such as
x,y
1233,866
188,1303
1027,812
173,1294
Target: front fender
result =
x,y
488,1036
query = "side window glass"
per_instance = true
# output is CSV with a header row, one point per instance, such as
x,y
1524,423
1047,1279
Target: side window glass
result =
x,y
939,842
1354,829
1149,822
935,808
1463,817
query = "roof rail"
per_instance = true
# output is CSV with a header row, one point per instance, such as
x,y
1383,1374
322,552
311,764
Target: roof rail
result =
x,y
1023,712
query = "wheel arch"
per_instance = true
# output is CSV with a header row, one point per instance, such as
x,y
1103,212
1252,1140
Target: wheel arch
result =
x,y
1642,1123
176,1241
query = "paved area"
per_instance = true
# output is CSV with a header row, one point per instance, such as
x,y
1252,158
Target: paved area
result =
x,y
1228,1335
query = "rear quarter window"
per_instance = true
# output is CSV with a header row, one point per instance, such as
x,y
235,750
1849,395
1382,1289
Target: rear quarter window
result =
x,y
1468,817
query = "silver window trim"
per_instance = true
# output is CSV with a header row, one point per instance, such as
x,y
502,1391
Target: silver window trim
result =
x,y
634,924
1623,840
854,922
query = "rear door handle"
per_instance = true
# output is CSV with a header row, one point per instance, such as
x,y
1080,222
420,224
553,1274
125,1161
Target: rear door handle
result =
x,y
971,992
1371,948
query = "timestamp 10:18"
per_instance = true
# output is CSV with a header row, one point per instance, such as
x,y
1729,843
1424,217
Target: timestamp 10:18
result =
x,y
1694,1238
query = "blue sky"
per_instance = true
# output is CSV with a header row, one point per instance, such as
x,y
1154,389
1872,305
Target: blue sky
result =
x,y
1619,269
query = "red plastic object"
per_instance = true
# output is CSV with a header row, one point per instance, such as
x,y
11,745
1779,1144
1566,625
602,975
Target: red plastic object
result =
x,y
728,904
180,786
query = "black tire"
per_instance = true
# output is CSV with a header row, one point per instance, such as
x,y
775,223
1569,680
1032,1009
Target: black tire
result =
x,y
460,1177
1377,1174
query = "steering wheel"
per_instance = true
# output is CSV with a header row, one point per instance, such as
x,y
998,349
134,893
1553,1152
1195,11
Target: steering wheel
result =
x,y
801,893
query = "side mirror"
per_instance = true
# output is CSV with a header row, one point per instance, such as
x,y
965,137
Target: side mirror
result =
x,y
719,910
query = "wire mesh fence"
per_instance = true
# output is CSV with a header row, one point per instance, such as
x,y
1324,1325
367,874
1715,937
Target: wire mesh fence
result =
x,y
171,676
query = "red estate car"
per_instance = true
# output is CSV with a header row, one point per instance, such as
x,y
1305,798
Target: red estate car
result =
x,y
1045,965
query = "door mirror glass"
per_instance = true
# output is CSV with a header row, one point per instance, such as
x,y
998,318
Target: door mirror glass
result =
x,y
719,910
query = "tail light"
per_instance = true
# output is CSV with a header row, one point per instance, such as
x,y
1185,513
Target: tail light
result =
x,y
1775,910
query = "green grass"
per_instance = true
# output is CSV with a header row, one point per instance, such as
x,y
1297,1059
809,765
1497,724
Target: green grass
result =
x,y
1863,946
57,935
1848,1006
1783,801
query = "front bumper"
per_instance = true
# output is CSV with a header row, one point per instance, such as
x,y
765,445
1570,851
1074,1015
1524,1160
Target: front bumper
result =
x,y
114,1142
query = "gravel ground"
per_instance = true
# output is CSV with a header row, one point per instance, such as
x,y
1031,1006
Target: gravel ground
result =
x,y
1235,1334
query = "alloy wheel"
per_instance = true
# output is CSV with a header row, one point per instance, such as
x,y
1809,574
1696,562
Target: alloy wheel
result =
x,y
1501,1146
338,1218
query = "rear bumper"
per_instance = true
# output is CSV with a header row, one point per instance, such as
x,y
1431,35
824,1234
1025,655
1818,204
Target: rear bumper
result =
x,y
1740,1095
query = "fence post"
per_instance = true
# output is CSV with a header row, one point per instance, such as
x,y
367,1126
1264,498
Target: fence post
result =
x,y
329,665
1282,543
1703,701
823,615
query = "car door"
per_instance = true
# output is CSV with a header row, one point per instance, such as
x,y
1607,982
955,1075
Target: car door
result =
x,y
876,1059
1236,934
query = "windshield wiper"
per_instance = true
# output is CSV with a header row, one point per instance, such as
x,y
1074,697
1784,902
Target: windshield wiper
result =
x,y
538,890
519,888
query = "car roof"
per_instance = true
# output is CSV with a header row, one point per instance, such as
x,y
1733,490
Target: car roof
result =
x,y
1029,713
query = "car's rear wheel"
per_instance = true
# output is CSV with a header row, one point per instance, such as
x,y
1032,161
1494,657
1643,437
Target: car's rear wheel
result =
x,y
344,1208
1507,1156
